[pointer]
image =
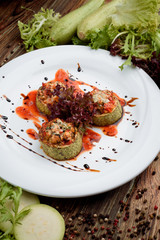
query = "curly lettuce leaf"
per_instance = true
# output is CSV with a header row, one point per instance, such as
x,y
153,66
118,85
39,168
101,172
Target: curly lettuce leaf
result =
x,y
137,14
36,34
134,31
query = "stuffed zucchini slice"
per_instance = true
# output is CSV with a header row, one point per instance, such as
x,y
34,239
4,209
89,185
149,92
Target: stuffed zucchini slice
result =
x,y
46,96
60,140
108,107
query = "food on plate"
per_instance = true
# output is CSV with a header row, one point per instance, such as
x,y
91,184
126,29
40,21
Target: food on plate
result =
x,y
42,222
45,96
108,107
60,140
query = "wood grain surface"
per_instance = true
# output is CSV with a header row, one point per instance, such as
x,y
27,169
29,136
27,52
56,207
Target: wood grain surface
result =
x,y
131,211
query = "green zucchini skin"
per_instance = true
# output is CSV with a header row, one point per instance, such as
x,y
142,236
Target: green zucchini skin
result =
x,y
64,152
97,20
63,31
108,118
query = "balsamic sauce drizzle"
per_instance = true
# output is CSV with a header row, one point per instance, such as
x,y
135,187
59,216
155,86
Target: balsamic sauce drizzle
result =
x,y
16,134
7,99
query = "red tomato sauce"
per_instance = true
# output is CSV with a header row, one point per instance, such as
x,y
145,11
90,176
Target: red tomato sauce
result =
x,y
89,138
28,110
32,134
110,130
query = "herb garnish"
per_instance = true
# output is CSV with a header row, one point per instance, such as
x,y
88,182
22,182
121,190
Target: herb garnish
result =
x,y
9,192
72,106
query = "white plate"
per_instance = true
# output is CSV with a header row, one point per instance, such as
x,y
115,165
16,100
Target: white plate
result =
x,y
38,175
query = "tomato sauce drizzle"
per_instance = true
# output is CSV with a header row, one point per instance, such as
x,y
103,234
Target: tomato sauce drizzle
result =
x,y
89,138
32,133
130,101
110,130
121,100
28,110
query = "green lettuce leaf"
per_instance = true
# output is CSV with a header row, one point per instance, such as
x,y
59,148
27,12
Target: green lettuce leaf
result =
x,y
136,27
35,34
137,14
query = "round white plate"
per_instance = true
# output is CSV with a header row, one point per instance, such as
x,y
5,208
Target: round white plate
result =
x,y
36,174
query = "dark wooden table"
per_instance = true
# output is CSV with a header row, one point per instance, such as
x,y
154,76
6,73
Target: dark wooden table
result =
x,y
131,211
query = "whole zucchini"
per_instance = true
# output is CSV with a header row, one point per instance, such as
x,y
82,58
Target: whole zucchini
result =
x,y
63,31
98,19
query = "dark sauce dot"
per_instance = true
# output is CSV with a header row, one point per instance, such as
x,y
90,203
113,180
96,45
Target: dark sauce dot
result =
x,y
45,78
7,99
42,61
79,69
3,127
9,136
3,76
4,117
105,158
86,166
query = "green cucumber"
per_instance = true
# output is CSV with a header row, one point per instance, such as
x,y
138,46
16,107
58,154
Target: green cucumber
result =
x,y
97,20
65,28
42,223
25,200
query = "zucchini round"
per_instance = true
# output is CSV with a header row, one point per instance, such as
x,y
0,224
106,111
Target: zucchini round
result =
x,y
42,222
60,140
45,95
108,118
108,110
